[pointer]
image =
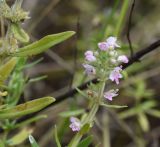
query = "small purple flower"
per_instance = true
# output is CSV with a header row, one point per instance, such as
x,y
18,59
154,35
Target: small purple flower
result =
x,y
110,94
123,59
89,69
103,46
115,75
111,41
75,124
89,56
87,53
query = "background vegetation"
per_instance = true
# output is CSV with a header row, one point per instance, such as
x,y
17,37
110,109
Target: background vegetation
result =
x,y
93,21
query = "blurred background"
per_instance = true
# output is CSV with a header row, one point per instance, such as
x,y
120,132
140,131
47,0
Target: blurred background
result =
x,y
93,21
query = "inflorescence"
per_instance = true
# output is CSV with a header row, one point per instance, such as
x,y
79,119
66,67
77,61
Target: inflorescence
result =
x,y
103,64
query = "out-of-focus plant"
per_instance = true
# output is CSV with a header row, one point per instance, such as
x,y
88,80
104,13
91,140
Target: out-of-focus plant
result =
x,y
14,51
144,104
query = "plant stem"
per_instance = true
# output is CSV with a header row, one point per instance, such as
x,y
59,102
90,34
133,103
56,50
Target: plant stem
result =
x,y
106,133
121,17
89,118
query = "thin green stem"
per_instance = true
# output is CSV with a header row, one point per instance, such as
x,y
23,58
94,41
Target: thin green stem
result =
x,y
106,133
90,117
121,17
5,136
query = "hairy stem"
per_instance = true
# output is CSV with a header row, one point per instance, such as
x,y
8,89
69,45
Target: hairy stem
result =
x,y
90,117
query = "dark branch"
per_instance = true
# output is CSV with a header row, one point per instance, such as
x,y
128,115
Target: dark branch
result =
x,y
138,55
129,28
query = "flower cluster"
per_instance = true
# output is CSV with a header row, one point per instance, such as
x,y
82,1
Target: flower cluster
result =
x,y
111,43
103,63
106,55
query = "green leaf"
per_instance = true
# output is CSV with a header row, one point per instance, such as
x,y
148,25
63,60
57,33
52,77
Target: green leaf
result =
x,y
113,106
36,79
155,113
63,127
28,121
85,142
143,121
33,141
135,110
72,113
43,44
20,137
19,33
6,69
56,137
29,65
84,129
82,93
26,108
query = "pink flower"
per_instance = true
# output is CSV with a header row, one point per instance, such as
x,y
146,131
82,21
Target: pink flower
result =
x,y
115,75
87,53
89,56
110,94
103,46
123,59
75,124
111,41
89,69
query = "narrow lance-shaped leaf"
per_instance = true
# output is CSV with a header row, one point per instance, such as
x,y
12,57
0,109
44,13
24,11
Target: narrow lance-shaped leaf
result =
x,y
113,106
62,127
43,44
143,121
72,113
26,108
6,69
140,108
20,137
153,112
85,142
28,121
82,93
33,141
56,137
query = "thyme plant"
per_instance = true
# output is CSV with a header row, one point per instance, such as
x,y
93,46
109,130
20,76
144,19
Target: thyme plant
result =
x,y
103,63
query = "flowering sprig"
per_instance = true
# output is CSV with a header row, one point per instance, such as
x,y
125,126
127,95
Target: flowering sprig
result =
x,y
105,61
104,64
